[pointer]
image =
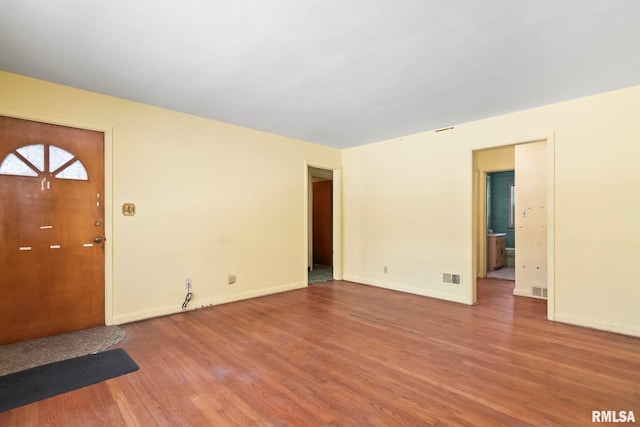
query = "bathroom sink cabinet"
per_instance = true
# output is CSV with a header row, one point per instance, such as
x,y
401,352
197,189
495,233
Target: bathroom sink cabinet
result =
x,y
496,256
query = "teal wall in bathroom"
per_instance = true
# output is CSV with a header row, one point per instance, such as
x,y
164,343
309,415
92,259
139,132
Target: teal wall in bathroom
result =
x,y
498,194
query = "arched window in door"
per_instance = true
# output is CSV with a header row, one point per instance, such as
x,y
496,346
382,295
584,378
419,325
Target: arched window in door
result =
x,y
34,160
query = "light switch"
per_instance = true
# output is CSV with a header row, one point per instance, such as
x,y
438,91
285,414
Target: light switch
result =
x,y
128,209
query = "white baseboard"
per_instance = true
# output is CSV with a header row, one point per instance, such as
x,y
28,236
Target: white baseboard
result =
x,y
408,289
631,330
198,303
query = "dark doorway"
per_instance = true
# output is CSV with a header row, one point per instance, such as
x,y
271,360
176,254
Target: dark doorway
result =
x,y
322,223
321,227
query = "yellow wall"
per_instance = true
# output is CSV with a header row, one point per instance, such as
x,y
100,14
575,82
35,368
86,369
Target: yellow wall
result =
x,y
215,199
408,205
212,199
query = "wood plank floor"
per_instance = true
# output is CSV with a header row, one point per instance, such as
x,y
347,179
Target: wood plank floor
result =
x,y
344,354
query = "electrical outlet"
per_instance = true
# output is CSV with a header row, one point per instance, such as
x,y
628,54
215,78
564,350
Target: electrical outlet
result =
x,y
187,284
386,269
231,279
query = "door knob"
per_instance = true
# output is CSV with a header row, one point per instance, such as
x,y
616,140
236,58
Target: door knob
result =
x,y
97,240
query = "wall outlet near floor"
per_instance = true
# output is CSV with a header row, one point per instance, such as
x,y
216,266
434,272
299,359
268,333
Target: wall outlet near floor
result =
x,y
231,279
386,269
187,284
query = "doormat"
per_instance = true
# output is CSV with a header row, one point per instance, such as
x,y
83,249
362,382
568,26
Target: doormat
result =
x,y
32,385
40,351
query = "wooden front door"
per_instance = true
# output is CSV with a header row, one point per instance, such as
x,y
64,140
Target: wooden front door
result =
x,y
51,229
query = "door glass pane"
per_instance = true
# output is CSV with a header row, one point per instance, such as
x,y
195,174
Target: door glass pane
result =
x,y
74,171
58,157
12,165
35,154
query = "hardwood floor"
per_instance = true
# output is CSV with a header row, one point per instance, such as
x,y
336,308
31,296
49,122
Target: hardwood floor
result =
x,y
339,353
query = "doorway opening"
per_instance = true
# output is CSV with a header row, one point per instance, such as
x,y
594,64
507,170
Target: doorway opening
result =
x,y
320,260
529,196
500,211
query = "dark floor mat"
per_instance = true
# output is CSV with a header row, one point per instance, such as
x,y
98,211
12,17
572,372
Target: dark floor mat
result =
x,y
32,385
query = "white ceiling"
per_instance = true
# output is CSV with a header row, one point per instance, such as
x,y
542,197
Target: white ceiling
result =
x,y
335,72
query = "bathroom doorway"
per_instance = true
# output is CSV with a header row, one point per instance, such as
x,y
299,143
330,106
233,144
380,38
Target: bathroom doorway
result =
x,y
532,213
487,162
500,212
